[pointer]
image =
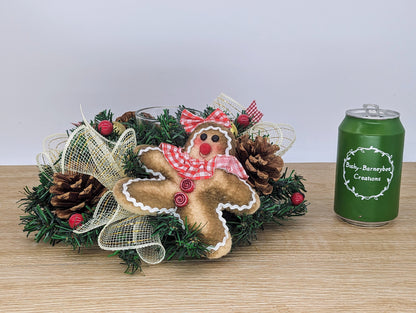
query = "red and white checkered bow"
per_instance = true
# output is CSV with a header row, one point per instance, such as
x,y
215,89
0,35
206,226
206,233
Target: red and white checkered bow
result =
x,y
191,121
253,112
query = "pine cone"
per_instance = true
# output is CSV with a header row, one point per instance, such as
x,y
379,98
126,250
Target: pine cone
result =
x,y
260,162
73,192
126,117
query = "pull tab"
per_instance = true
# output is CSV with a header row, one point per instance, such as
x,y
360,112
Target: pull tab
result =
x,y
372,110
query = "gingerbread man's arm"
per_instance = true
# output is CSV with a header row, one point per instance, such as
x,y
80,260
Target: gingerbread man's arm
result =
x,y
148,196
235,194
155,162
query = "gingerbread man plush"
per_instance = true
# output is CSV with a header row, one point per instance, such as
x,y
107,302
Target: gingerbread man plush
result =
x,y
195,183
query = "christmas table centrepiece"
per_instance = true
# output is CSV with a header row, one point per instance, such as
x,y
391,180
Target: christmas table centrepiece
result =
x,y
182,184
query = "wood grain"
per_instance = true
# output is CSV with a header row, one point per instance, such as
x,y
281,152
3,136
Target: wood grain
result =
x,y
308,264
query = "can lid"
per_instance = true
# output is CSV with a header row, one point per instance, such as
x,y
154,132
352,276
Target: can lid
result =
x,y
373,112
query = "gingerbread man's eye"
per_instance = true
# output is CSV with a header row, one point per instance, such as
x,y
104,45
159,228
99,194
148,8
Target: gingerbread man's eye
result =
x,y
203,136
215,138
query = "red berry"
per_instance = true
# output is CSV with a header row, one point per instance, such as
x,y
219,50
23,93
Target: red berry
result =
x,y
187,185
181,199
75,220
243,120
105,128
297,198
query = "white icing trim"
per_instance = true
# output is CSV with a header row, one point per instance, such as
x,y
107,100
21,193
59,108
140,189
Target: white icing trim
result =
x,y
148,170
229,146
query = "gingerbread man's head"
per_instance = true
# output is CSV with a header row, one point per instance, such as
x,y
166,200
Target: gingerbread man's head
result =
x,y
209,140
208,137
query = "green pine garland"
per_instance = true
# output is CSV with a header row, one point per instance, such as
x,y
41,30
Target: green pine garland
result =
x,y
179,242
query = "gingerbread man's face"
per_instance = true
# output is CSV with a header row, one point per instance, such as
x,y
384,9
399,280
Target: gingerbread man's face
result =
x,y
209,140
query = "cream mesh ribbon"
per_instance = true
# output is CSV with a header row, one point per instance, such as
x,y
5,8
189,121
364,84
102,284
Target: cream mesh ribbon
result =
x,y
87,152
48,159
128,231
282,135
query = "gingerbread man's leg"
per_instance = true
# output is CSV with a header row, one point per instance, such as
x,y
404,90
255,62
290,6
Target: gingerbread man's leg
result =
x,y
222,191
204,215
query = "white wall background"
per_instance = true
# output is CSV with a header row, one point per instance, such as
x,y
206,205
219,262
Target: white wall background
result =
x,y
305,63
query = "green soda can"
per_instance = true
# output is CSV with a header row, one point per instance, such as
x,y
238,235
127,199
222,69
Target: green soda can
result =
x,y
369,165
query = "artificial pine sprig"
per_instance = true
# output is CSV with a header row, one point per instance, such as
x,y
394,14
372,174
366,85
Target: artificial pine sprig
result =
x,y
286,186
180,241
171,130
131,259
105,115
167,129
132,166
274,208
207,111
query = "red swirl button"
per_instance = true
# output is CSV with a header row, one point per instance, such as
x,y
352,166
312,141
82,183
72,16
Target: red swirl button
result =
x,y
187,185
181,199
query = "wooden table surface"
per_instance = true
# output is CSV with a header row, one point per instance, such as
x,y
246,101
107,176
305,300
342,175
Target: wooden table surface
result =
x,y
308,264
